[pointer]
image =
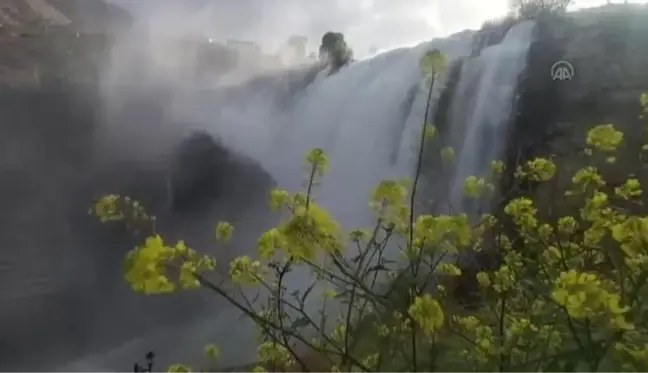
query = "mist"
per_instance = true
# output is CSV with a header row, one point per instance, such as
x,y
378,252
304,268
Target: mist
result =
x,y
153,96
382,24
123,136
66,305
152,100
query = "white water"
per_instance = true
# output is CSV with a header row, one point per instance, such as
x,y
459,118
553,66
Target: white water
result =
x,y
356,116
481,107
367,117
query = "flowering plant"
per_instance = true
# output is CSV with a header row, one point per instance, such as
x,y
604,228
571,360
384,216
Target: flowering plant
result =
x,y
566,295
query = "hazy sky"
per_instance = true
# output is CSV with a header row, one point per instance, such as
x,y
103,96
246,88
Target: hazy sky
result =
x,y
366,23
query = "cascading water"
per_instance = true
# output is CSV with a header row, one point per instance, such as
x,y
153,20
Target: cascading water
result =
x,y
481,108
367,118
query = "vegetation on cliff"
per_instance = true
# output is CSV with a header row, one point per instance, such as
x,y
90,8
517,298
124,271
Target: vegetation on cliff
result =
x,y
532,9
335,51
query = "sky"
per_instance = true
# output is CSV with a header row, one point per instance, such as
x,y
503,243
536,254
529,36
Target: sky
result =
x,y
366,23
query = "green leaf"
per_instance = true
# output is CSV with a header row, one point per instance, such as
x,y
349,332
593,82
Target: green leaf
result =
x,y
433,62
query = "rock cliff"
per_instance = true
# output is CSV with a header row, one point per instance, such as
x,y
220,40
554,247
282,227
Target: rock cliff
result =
x,y
53,39
61,289
608,50
61,286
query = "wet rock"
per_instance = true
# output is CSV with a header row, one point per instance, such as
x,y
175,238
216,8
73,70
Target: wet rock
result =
x,y
61,285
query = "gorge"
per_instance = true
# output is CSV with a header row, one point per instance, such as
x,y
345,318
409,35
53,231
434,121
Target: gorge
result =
x,y
65,142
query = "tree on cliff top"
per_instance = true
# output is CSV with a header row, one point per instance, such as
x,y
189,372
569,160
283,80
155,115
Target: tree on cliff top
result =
x,y
568,292
531,9
334,50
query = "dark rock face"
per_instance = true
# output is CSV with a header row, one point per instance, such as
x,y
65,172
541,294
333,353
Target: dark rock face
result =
x,y
20,16
62,291
204,170
607,48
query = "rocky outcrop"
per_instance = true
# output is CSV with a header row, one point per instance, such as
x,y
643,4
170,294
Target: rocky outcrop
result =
x,y
61,287
608,50
19,17
491,33
609,53
44,40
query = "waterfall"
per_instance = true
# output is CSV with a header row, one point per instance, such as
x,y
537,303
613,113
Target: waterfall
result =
x,y
481,108
367,117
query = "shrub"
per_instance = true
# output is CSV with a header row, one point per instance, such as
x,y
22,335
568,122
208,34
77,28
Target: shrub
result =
x,y
335,50
568,292
532,9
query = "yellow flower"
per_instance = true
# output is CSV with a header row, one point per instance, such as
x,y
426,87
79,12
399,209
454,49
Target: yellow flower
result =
x,y
272,353
444,232
224,231
587,178
268,243
278,198
604,137
468,323
371,361
504,279
567,225
541,169
146,266
630,189
430,132
317,157
310,230
178,368
358,235
390,192
475,187
259,369
339,332
583,295
522,211
497,167
427,313
330,293
245,271
483,279
447,154
211,351
448,269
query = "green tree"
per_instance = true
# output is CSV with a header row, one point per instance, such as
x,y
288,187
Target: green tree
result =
x,y
569,292
334,50
531,9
